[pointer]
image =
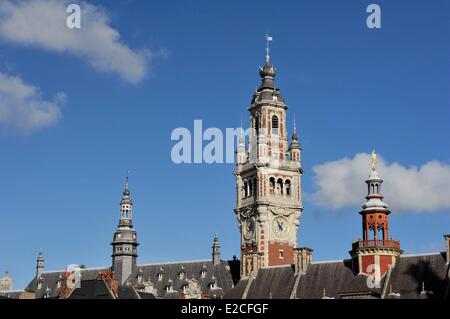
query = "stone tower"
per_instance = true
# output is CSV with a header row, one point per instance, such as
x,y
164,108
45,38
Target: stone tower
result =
x,y
268,181
376,251
216,251
40,264
125,240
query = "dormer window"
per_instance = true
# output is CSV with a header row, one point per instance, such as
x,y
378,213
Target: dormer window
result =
x,y
169,286
213,283
58,284
140,276
160,274
181,273
39,285
203,272
185,287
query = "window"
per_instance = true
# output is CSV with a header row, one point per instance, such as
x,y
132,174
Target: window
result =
x,y
288,188
245,189
279,188
272,185
281,254
275,125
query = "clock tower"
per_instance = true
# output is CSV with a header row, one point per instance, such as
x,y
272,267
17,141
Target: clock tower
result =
x,y
268,180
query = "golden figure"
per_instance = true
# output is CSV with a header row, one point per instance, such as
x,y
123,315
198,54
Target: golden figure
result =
x,y
374,160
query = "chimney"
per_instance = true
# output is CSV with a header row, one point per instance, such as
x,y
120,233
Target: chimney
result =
x,y
447,245
302,259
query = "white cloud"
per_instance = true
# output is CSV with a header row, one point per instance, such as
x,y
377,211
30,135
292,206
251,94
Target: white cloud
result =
x,y
22,106
42,24
341,183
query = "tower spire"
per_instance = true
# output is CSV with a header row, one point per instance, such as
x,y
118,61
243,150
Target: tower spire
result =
x,y
268,40
125,240
40,264
216,250
376,247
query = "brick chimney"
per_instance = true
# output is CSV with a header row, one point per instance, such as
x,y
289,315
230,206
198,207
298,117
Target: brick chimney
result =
x,y
302,259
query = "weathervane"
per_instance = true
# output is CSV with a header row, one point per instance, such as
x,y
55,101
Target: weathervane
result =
x,y
268,40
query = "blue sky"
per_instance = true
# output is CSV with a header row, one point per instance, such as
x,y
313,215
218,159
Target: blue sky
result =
x,y
352,90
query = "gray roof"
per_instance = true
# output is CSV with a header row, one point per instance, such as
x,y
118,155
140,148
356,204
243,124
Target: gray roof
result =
x,y
222,274
50,280
275,283
237,291
92,289
411,271
336,278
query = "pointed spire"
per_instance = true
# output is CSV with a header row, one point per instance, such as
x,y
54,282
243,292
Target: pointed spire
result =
x,y
294,134
268,40
126,191
294,144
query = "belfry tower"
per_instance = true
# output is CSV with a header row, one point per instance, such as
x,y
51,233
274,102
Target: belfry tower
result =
x,y
124,242
376,252
268,180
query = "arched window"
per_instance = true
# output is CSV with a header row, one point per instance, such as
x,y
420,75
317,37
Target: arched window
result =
x,y
380,233
245,189
288,188
250,188
272,185
275,125
279,187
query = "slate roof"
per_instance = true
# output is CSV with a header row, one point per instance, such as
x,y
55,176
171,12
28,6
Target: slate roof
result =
x,y
410,271
237,291
222,274
50,279
275,283
92,289
128,292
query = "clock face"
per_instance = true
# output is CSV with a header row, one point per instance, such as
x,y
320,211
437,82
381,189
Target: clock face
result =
x,y
248,228
280,227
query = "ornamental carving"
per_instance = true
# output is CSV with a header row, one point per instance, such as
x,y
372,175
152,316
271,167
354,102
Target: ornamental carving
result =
x,y
280,211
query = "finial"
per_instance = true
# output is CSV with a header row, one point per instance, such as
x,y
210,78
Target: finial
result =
x,y
126,178
374,160
268,40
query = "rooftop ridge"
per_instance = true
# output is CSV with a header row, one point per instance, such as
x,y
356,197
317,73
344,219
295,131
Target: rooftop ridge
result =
x,y
82,269
175,262
277,266
422,254
329,261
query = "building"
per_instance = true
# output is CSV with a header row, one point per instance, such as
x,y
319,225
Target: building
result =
x,y
268,210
